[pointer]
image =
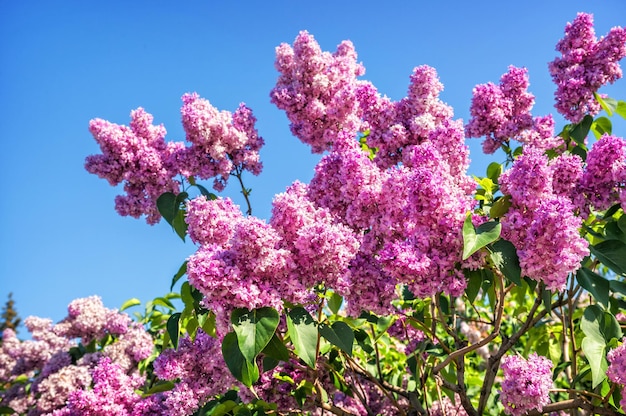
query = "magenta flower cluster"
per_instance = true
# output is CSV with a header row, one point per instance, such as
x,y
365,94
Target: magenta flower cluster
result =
x,y
502,112
541,223
585,65
617,369
317,90
526,385
221,144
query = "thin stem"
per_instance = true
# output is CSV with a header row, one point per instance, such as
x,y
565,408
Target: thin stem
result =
x,y
246,192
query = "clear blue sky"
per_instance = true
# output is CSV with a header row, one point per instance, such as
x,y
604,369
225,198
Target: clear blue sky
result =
x,y
64,63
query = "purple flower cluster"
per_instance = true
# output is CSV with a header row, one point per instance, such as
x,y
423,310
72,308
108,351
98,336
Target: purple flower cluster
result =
x,y
199,370
244,262
49,363
445,407
602,182
526,384
585,65
221,143
317,90
540,222
617,369
502,112
139,157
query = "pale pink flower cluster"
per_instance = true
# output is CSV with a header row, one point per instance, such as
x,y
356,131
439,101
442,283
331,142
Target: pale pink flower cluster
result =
x,y
585,65
541,223
447,407
617,369
56,366
502,112
317,90
221,144
526,385
113,393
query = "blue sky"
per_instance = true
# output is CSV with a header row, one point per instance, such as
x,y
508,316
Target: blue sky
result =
x,y
64,63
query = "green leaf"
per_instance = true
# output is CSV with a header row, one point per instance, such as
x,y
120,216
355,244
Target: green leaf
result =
x,y
500,207
600,325
168,206
338,334
173,328
179,224
612,253
580,130
130,303
209,195
276,349
621,223
595,284
601,126
159,387
6,410
182,270
504,257
618,286
243,370
475,239
303,332
254,329
608,104
621,109
474,283
494,170
595,352
334,303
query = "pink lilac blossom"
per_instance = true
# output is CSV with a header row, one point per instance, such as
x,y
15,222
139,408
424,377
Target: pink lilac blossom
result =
x,y
221,142
199,370
317,90
502,112
113,393
394,126
526,383
540,223
49,359
321,249
585,65
617,369
602,183
89,319
137,156
447,407
212,221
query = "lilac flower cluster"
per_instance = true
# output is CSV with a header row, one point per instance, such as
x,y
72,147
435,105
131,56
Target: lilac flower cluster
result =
x,y
526,384
199,370
585,65
247,263
445,407
541,223
317,90
502,112
221,144
617,369
602,182
139,157
49,361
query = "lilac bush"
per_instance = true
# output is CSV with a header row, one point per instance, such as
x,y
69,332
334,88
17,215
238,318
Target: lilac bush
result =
x,y
393,283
